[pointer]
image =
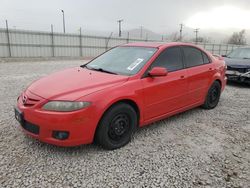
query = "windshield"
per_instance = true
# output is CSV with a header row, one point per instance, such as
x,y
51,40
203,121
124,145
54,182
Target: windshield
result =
x,y
124,60
240,53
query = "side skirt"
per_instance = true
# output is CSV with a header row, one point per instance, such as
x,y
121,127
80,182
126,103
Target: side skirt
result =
x,y
164,116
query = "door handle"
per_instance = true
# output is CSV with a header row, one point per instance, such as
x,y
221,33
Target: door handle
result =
x,y
182,77
210,69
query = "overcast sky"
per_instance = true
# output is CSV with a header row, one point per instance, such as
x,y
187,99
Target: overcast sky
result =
x,y
157,15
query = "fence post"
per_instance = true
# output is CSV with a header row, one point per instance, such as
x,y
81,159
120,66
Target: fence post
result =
x,y
219,49
52,42
128,38
8,37
226,50
106,44
232,47
80,42
213,49
107,41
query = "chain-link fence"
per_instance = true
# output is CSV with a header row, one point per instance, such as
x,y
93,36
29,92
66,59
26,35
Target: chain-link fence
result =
x,y
22,43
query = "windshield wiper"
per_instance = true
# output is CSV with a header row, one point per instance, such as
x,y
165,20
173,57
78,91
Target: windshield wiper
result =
x,y
101,70
246,58
97,69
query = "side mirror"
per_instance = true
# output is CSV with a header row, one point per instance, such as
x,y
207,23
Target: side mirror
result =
x,y
158,71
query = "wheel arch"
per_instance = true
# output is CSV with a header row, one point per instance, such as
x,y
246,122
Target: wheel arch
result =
x,y
216,77
218,80
128,101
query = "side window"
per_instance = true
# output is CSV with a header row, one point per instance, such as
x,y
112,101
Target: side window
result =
x,y
205,58
171,59
192,56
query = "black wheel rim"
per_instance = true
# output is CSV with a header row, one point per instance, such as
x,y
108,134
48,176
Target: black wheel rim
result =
x,y
119,127
214,95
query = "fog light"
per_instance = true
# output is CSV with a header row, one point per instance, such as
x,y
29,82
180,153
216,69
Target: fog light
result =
x,y
60,135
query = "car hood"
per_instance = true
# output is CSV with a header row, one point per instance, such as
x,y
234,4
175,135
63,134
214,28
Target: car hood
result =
x,y
73,83
238,63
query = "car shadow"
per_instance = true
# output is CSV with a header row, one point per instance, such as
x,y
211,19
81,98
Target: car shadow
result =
x,y
43,148
238,84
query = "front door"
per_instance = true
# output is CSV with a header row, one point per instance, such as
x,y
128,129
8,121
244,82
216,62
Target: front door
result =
x,y
165,94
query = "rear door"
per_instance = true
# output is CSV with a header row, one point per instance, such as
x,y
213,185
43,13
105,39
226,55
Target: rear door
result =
x,y
199,72
165,94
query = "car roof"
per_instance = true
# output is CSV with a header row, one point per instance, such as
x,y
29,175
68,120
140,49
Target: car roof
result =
x,y
158,44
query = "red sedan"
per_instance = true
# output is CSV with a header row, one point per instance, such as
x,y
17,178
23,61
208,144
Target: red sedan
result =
x,y
127,87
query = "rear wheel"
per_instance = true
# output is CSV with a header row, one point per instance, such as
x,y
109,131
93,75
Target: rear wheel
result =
x,y
116,127
213,96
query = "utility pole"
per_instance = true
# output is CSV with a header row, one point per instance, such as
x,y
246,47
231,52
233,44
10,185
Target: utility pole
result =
x,y
141,32
63,21
181,29
196,34
120,27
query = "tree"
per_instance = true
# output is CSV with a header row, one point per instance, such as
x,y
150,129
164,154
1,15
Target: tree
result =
x,y
238,38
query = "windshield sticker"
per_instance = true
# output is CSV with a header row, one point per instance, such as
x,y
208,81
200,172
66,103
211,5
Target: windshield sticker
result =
x,y
135,64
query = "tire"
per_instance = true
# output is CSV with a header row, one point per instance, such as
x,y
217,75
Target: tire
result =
x,y
213,96
116,126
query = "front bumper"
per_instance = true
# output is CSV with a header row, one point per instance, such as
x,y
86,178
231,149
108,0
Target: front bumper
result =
x,y
41,125
238,76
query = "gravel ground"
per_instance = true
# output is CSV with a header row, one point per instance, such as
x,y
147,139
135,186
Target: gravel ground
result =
x,y
198,148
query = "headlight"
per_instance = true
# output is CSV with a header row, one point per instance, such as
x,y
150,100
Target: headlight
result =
x,y
65,106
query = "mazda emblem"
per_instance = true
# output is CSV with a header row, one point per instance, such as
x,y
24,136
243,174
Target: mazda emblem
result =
x,y
24,99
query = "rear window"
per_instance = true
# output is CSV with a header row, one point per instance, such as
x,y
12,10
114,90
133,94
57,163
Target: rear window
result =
x,y
205,58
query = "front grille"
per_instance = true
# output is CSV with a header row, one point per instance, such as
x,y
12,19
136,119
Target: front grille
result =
x,y
29,99
241,70
30,102
30,127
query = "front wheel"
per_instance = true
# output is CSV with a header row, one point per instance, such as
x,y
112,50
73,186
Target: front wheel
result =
x,y
116,127
213,96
